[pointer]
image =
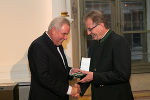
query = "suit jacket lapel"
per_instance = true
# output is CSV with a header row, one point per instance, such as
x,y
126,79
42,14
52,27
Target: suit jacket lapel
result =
x,y
63,54
53,48
101,47
96,55
98,50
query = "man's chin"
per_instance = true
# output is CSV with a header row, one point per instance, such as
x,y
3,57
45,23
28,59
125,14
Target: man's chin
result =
x,y
94,38
59,44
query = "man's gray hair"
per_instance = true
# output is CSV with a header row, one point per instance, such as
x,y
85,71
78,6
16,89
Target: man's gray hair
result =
x,y
58,22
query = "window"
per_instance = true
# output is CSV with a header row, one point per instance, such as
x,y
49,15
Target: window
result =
x,y
132,24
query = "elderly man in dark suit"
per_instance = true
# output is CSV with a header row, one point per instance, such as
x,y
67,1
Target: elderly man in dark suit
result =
x,y
110,65
48,64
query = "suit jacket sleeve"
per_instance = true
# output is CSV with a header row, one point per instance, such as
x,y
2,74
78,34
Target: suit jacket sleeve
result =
x,y
121,65
38,61
83,87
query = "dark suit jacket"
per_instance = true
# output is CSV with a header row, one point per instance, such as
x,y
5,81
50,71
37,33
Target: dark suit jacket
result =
x,y
49,77
111,66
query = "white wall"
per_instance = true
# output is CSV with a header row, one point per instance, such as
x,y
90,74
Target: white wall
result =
x,y
21,21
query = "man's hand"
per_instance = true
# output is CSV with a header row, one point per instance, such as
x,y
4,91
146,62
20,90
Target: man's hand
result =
x,y
74,70
75,91
88,78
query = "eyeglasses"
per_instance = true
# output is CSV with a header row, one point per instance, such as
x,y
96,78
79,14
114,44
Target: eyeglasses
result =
x,y
90,29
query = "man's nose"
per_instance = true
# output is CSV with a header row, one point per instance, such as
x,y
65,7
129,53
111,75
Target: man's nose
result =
x,y
88,32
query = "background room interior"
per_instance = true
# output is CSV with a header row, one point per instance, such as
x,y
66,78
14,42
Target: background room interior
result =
x,y
21,21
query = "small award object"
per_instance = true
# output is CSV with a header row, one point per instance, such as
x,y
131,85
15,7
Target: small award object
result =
x,y
78,75
85,64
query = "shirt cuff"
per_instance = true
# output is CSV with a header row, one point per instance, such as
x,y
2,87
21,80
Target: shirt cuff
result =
x,y
70,71
69,90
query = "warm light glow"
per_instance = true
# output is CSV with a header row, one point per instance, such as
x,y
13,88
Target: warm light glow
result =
x,y
64,9
125,5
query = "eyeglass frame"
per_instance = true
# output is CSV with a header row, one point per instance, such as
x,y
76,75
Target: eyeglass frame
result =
x,y
90,29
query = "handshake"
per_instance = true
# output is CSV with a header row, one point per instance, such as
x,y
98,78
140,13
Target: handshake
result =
x,y
86,77
75,91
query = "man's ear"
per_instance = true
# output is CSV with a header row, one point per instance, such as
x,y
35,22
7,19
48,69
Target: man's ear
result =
x,y
102,24
53,30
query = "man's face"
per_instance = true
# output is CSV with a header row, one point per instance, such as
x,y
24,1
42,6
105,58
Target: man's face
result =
x,y
58,36
93,29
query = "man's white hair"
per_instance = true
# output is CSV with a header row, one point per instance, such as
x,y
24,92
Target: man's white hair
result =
x,y
58,22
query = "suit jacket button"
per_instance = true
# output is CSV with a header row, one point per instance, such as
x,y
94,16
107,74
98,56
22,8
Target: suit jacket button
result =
x,y
101,85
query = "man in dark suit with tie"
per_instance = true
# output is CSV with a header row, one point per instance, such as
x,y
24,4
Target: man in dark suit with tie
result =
x,y
110,65
48,64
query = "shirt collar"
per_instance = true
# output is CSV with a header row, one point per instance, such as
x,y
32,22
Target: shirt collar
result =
x,y
48,35
105,34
